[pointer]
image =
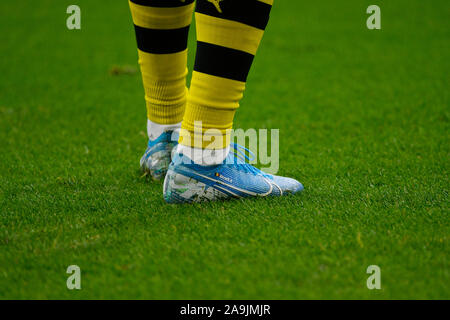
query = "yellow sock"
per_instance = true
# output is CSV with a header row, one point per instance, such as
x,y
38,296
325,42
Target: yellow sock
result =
x,y
162,28
228,35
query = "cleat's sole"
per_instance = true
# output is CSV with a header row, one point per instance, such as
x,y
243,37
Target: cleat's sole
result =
x,y
179,188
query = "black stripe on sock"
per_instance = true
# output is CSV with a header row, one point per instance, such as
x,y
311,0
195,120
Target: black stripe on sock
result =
x,y
162,3
222,62
250,12
161,41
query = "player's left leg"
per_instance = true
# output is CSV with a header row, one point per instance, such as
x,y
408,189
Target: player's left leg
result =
x,y
206,166
162,28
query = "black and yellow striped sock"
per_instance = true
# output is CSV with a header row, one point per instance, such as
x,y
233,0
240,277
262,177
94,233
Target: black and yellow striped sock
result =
x,y
162,28
228,35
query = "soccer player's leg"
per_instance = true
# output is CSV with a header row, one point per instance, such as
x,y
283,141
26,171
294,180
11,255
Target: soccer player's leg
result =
x,y
162,28
228,35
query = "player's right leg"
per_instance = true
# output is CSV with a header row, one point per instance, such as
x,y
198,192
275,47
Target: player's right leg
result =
x,y
162,28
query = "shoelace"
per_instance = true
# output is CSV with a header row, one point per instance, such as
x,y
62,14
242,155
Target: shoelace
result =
x,y
240,153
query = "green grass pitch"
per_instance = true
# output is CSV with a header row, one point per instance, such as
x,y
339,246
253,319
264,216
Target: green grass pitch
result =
x,y
364,125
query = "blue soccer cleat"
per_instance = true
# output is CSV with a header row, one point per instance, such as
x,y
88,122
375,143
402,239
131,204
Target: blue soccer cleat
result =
x,y
188,182
157,157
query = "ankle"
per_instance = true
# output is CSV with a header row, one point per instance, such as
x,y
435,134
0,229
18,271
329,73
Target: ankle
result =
x,y
154,130
204,157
